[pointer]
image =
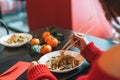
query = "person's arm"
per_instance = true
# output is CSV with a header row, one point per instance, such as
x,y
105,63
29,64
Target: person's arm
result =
x,y
107,67
88,50
91,53
39,72
96,73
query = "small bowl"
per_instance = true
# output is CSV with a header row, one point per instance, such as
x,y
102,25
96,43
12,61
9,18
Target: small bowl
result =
x,y
48,56
4,40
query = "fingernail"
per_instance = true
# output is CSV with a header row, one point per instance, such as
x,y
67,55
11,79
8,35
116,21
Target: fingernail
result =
x,y
38,62
34,62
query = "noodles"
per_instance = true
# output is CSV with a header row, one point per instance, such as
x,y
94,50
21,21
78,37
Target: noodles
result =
x,y
61,63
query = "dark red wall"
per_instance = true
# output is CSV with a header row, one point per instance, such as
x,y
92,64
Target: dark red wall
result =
x,y
44,13
69,14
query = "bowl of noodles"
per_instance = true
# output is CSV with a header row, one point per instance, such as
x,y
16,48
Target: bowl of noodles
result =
x,y
62,61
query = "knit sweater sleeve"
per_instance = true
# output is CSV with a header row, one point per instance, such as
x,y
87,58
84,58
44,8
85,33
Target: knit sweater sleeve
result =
x,y
91,53
40,72
96,73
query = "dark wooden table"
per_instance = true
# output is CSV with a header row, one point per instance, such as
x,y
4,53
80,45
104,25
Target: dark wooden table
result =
x,y
10,56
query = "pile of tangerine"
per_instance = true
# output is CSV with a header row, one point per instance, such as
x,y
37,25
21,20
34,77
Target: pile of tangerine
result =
x,y
50,41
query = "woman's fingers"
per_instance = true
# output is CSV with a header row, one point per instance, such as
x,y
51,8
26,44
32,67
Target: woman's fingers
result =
x,y
82,37
38,62
79,34
32,64
82,41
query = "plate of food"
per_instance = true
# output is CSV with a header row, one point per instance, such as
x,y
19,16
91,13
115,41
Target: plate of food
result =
x,y
68,61
15,39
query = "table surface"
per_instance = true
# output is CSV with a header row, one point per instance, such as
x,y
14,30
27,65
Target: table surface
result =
x,y
10,56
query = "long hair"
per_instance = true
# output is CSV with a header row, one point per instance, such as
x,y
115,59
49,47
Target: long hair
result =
x,y
111,8
112,11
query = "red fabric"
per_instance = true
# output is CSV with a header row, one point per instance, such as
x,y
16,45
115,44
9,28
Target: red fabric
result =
x,y
40,72
91,53
96,74
84,77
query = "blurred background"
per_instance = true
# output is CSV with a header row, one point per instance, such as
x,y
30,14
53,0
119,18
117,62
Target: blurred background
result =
x,y
69,14
13,12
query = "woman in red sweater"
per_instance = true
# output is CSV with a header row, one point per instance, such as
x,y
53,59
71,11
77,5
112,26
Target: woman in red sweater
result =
x,y
103,67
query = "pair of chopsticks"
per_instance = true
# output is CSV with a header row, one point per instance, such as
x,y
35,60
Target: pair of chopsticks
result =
x,y
81,27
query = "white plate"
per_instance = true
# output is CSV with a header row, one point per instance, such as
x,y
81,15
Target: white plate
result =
x,y
48,56
4,40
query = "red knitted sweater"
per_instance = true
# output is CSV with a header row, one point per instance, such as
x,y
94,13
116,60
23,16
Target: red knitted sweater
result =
x,y
90,52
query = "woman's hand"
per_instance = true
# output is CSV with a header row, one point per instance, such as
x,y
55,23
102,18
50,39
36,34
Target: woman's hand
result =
x,y
82,41
32,64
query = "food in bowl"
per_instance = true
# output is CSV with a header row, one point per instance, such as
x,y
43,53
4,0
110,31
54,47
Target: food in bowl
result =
x,y
17,38
60,64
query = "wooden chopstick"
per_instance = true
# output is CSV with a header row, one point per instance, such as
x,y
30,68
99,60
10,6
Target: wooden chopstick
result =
x,y
71,45
90,29
83,36
66,44
84,25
